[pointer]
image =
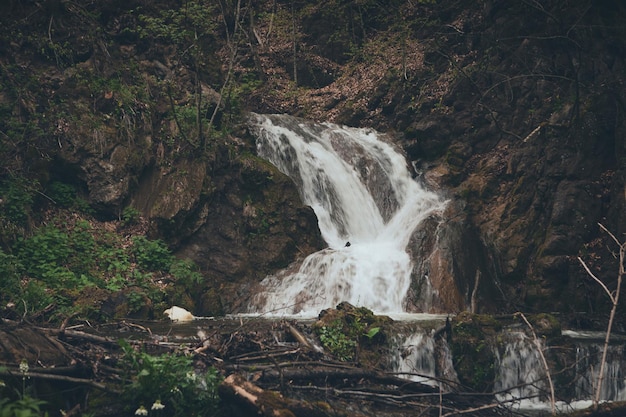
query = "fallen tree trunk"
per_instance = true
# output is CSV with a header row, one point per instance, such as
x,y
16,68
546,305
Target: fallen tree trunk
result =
x,y
246,399
330,374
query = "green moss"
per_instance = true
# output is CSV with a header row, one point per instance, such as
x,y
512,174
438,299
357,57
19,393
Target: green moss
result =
x,y
474,359
545,324
351,333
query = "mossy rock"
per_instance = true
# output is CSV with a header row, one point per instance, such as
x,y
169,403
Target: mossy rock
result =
x,y
90,301
545,324
479,325
352,333
474,359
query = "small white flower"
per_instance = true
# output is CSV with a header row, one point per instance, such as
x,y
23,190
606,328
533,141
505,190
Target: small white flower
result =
x,y
24,367
191,376
157,405
141,411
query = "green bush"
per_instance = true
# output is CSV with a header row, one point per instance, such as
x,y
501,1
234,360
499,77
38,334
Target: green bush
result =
x,y
10,274
45,253
337,342
152,255
65,196
62,194
17,199
130,215
169,380
82,259
24,407
186,272
58,261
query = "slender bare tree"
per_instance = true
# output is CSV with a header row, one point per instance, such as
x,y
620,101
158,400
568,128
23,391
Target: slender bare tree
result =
x,y
544,362
614,297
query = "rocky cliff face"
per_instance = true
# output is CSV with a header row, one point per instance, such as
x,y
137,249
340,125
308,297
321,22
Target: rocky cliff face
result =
x,y
515,111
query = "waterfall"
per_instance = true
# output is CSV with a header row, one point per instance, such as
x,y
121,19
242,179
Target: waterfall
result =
x,y
587,368
414,358
521,378
367,205
421,357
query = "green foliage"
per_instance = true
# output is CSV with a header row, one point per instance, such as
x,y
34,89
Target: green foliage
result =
x,y
151,254
171,380
240,89
60,260
186,272
371,333
24,407
34,296
182,26
130,216
45,254
17,199
350,330
10,273
337,342
15,402
63,194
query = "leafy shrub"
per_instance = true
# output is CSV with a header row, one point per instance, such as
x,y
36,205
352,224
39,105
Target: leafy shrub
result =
x,y
152,255
45,253
65,195
10,273
169,380
24,407
349,331
337,342
83,248
130,215
17,199
186,272
62,194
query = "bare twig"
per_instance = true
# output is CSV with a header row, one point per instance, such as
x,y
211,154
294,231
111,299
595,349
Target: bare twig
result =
x,y
614,297
81,381
473,304
537,343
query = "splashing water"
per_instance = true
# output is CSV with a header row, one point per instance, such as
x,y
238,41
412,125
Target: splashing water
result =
x,y
367,205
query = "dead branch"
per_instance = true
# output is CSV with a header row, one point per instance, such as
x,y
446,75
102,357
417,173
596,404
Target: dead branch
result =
x,y
80,335
543,361
299,336
614,297
64,378
473,308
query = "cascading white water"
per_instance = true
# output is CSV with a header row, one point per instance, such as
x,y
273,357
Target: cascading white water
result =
x,y
363,194
521,379
414,358
587,368
421,357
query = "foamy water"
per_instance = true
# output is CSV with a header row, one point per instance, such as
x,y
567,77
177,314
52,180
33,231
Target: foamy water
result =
x,y
367,205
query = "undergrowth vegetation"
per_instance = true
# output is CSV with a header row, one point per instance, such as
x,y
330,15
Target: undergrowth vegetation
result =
x,y
69,264
345,331
168,382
